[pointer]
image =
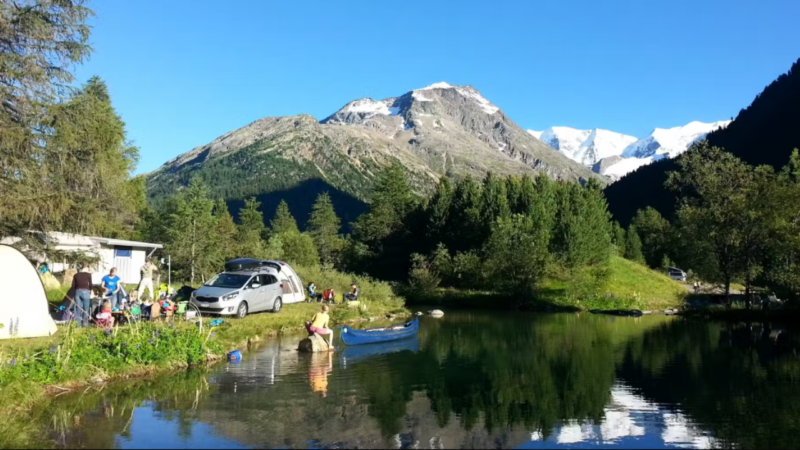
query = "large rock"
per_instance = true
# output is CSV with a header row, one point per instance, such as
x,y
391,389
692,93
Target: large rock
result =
x,y
313,344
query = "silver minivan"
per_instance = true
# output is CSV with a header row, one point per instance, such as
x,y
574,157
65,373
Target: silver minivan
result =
x,y
241,292
677,274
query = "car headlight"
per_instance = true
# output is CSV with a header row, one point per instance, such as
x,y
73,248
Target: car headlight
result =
x,y
231,296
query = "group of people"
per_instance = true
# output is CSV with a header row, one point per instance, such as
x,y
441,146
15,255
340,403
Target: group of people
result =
x,y
329,296
112,295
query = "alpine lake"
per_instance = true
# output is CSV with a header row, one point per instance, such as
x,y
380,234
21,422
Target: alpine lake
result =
x,y
472,379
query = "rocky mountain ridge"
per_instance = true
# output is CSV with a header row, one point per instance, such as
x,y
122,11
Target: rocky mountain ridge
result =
x,y
434,131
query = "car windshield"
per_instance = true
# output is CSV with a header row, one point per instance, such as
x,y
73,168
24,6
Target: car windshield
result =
x,y
228,280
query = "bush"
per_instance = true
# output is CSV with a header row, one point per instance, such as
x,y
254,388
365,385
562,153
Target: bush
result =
x,y
422,278
468,270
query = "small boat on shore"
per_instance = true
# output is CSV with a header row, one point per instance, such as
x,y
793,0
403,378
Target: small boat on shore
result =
x,y
352,336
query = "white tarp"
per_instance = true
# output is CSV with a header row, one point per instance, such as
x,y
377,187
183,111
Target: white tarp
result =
x,y
24,309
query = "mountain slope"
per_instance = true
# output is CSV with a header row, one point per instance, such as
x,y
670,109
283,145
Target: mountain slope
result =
x,y
764,133
438,130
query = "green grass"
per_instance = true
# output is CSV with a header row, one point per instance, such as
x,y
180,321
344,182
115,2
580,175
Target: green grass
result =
x,y
72,356
633,286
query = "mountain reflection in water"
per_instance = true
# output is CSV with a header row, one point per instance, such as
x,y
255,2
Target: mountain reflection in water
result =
x,y
471,380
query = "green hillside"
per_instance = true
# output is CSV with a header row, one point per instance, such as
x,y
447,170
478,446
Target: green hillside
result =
x,y
632,285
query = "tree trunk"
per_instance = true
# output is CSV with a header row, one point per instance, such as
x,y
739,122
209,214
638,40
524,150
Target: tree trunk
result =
x,y
747,292
727,293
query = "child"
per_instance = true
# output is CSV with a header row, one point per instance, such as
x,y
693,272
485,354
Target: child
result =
x,y
104,317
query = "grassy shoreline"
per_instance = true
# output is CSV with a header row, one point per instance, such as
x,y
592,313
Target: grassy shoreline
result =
x,y
33,369
627,285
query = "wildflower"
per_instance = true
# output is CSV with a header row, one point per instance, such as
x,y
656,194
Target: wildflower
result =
x,y
91,338
52,349
213,333
13,362
155,334
108,332
53,370
151,341
125,345
171,325
137,347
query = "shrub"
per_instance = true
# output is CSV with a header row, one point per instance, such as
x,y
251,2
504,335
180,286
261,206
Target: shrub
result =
x,y
422,278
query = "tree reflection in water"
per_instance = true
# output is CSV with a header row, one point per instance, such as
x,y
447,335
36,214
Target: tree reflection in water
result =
x,y
481,379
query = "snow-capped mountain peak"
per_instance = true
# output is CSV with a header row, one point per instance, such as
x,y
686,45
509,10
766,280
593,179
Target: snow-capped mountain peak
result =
x,y
584,146
439,85
671,142
368,106
614,154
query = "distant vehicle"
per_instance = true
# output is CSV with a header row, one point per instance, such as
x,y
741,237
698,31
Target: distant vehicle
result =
x,y
248,286
677,274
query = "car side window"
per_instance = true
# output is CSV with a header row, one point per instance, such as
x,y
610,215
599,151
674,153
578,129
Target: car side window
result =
x,y
253,281
271,279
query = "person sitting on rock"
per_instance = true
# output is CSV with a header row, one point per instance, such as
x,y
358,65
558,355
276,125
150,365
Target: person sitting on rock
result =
x,y
319,325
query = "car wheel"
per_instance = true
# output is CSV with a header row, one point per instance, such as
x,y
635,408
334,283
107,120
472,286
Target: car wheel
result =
x,y
277,306
241,312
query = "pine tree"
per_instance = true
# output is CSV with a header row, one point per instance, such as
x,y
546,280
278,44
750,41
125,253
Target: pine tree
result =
x,y
618,238
494,200
283,221
633,246
517,254
392,201
582,231
298,248
189,231
323,226
463,229
250,230
224,242
391,188
438,211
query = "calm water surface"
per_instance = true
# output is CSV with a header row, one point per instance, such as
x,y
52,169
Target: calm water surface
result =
x,y
471,380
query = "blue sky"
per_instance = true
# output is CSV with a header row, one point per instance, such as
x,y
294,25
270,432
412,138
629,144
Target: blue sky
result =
x,y
182,72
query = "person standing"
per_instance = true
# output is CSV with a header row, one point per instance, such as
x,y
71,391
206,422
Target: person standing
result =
x,y
111,284
147,278
82,286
